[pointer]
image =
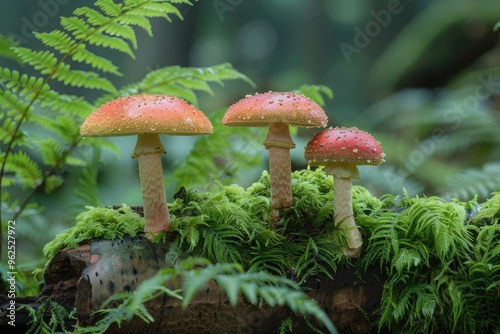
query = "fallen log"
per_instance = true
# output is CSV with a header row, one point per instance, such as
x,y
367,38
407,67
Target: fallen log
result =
x,y
83,278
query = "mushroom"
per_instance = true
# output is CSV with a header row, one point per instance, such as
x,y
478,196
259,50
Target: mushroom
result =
x,y
278,111
340,150
147,116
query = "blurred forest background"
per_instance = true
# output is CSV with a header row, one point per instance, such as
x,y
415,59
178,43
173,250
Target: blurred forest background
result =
x,y
422,76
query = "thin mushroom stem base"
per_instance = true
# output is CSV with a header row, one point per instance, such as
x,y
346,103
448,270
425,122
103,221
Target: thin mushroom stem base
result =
x,y
156,213
280,171
342,206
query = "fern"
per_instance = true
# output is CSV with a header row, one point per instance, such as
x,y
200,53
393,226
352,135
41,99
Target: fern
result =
x,y
315,92
473,181
195,273
59,317
183,82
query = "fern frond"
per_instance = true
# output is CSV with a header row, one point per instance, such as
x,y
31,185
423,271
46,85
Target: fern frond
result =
x,y
26,171
43,60
87,190
85,79
6,46
57,39
13,103
21,84
184,82
315,92
82,55
59,317
473,181
112,28
71,104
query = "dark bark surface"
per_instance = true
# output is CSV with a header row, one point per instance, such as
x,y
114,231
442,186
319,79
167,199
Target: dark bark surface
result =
x,y
86,276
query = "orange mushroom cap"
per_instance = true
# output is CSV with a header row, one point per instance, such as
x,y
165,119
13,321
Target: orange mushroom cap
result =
x,y
273,107
343,145
146,114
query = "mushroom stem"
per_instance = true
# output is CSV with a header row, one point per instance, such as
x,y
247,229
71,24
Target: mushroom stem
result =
x,y
342,206
279,143
280,171
156,215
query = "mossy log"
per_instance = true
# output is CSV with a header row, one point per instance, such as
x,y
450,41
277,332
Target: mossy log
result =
x,y
86,276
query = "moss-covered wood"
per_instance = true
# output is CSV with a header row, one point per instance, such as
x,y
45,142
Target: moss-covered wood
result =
x,y
438,261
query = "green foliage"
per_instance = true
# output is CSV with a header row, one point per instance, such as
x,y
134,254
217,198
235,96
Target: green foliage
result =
x,y
316,92
226,153
97,223
440,259
195,273
58,314
183,82
473,181
424,245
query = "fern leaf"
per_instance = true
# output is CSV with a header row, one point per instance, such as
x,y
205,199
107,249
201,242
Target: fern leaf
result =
x,y
87,189
27,171
82,55
473,181
183,82
85,79
69,104
57,39
136,20
316,92
98,38
6,48
15,105
43,60
152,9
78,27
50,150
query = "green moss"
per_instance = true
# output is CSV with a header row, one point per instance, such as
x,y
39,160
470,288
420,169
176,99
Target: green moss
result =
x,y
97,223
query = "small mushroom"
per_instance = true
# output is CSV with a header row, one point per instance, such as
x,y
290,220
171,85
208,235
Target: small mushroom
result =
x,y
277,111
340,150
147,116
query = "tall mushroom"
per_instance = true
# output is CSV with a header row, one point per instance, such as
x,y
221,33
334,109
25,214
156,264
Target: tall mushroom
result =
x,y
147,116
340,150
277,111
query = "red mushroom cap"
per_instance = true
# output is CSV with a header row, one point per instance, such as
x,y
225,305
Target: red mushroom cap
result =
x,y
343,145
273,107
146,114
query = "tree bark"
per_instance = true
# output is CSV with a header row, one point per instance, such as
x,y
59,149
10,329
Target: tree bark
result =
x,y
86,276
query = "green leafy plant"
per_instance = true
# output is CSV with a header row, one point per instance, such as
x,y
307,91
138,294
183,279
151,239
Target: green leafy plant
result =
x,y
440,259
58,317
257,288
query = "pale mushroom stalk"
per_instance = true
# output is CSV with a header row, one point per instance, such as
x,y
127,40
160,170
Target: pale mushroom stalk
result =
x,y
342,206
340,150
279,143
148,151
